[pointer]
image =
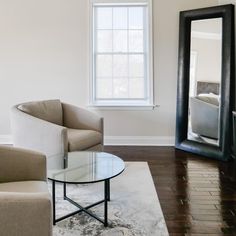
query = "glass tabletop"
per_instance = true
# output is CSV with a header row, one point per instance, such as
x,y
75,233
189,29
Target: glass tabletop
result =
x,y
84,167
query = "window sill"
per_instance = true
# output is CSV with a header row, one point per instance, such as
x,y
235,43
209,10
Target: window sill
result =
x,y
123,107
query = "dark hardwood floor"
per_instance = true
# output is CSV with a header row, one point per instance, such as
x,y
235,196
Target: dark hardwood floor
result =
x,y
197,195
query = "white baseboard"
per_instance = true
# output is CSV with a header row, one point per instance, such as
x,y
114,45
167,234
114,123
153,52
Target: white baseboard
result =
x,y
121,140
139,140
6,139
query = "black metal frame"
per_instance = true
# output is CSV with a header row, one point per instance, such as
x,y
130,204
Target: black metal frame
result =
x,y
223,151
81,208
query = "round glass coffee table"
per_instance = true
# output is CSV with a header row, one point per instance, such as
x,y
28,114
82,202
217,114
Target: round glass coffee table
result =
x,y
84,168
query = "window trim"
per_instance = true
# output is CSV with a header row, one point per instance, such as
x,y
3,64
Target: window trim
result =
x,y
149,60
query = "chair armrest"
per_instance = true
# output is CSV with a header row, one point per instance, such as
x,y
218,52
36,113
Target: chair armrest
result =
x,y
33,133
19,165
25,214
79,118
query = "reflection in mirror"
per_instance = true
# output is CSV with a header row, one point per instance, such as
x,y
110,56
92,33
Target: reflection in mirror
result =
x,y
205,80
206,131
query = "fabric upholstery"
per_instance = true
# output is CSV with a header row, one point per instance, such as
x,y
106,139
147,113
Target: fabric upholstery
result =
x,y
24,187
83,139
25,214
97,148
79,118
17,165
209,99
32,133
50,110
25,206
52,139
204,118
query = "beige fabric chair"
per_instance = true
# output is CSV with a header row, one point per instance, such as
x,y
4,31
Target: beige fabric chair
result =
x,y
25,203
55,128
204,114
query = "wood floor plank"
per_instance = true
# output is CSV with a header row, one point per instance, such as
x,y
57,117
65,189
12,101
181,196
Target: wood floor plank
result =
x,y
197,195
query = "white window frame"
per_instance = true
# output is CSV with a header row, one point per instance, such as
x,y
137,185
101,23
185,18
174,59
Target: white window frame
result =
x,y
192,74
149,70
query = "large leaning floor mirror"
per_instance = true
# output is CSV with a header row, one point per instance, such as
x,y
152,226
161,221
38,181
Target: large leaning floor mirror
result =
x,y
205,96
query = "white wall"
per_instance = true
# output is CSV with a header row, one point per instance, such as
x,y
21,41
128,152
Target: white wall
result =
x,y
221,2
208,65
44,54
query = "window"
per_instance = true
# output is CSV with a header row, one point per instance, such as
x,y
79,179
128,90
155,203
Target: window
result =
x,y
192,74
121,54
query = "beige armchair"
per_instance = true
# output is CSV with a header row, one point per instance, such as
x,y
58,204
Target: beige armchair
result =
x,y
25,203
204,115
55,128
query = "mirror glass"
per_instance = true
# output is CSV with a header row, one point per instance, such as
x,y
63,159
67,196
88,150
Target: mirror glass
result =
x,y
205,80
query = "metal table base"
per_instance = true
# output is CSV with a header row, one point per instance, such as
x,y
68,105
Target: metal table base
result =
x,y
81,208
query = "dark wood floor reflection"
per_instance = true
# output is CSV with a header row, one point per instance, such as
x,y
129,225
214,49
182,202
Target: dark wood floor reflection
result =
x,y
197,195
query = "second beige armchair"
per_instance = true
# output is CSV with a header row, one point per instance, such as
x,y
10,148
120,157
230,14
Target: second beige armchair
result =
x,y
25,202
55,128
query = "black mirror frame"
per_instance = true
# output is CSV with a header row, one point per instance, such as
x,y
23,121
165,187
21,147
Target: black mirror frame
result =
x,y
223,151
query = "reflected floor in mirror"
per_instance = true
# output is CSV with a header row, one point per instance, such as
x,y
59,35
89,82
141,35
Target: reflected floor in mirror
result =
x,y
201,139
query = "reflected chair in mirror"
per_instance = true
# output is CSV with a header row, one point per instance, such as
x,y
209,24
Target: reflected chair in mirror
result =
x,y
55,128
205,116
25,202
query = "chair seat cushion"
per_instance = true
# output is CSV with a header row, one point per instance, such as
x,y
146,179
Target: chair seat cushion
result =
x,y
24,187
49,110
79,139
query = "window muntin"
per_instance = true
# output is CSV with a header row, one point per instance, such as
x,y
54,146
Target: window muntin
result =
x,y
121,55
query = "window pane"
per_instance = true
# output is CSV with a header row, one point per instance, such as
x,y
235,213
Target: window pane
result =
x,y
136,88
136,40
136,18
120,52
104,66
120,66
120,41
104,18
104,40
136,66
104,88
120,88
120,18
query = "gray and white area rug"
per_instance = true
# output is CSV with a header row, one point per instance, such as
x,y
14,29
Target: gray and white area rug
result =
x,y
134,209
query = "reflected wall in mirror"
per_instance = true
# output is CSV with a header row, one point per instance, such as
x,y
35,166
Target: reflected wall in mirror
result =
x,y
205,80
205,96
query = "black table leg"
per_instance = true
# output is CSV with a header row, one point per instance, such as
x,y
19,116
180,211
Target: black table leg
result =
x,y
64,190
108,189
84,209
106,199
53,202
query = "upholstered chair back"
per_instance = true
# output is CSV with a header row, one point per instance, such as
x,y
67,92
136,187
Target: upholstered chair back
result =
x,y
55,128
49,110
